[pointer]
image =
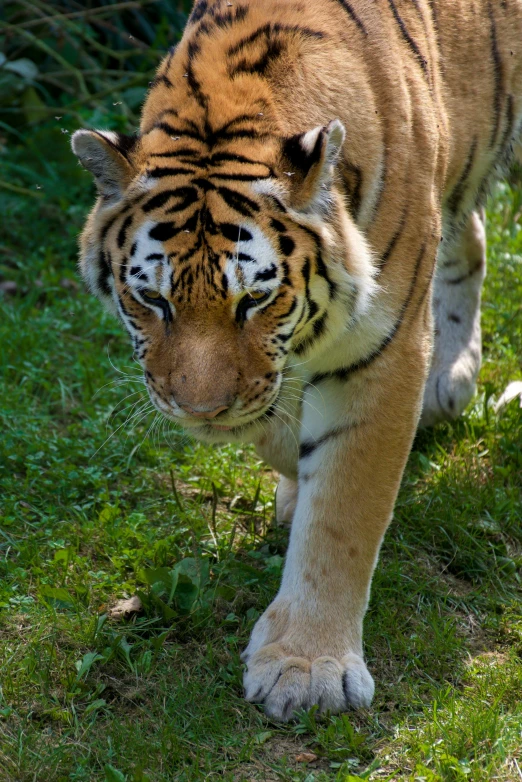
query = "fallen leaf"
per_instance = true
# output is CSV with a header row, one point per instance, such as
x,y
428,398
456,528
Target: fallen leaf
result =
x,y
306,757
126,606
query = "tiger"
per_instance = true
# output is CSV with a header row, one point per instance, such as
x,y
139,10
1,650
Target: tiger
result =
x,y
295,241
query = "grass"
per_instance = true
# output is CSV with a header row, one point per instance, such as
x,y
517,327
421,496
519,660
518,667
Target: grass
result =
x,y
97,506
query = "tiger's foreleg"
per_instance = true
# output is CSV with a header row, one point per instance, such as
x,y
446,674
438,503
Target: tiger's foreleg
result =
x,y
307,648
457,353
279,446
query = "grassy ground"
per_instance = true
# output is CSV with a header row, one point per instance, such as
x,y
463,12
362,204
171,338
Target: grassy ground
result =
x,y
97,506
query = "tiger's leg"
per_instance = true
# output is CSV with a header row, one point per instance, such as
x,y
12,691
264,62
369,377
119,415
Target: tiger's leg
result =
x,y
286,499
279,446
307,649
456,309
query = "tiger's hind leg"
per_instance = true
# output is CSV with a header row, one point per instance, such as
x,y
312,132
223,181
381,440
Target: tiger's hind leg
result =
x,y
457,350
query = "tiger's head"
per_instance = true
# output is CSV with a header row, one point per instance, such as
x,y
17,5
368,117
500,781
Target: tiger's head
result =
x,y
227,258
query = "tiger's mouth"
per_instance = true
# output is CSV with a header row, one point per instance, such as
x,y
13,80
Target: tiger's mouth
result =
x,y
213,430
241,432
238,428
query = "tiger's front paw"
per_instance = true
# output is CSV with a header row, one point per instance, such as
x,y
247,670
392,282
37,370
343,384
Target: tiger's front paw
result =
x,y
292,666
284,683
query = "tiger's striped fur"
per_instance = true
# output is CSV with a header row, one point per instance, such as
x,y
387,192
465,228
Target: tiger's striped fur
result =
x,y
270,239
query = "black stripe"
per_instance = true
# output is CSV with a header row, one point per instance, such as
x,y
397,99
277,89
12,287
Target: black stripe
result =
x,y
160,78
497,77
155,257
167,113
355,192
104,272
107,227
344,372
267,274
270,29
466,276
160,199
276,203
238,201
286,245
260,66
190,252
305,271
232,157
161,171
204,184
123,270
284,337
239,177
175,152
320,325
457,193
234,232
323,272
313,307
319,263
318,328
199,10
353,16
187,195
137,271
170,130
163,231
286,271
244,133
277,225
122,233
229,125
407,37
307,447
510,125
393,241
240,257
290,309
227,18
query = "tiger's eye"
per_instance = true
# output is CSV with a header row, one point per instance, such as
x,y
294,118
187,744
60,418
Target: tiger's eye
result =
x,y
258,295
147,294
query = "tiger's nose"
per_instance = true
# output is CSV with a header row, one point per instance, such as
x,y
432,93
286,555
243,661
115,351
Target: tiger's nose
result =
x,y
204,412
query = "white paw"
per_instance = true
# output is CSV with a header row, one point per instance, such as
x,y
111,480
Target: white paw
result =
x,y
456,309
449,392
286,499
284,683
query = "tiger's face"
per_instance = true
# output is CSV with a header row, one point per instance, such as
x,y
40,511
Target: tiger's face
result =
x,y
217,277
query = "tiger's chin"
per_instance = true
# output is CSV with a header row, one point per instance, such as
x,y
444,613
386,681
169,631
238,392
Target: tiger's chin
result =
x,y
243,433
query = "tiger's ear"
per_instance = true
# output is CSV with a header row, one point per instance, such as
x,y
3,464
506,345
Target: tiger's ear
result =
x,y
310,159
106,155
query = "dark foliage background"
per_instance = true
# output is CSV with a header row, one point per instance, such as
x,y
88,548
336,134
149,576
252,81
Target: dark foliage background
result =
x,y
66,64
82,57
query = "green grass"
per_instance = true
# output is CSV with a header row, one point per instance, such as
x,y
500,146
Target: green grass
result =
x,y
95,508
